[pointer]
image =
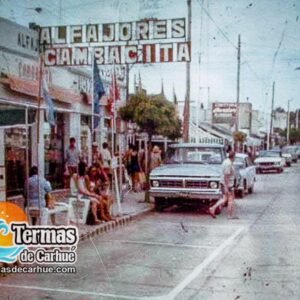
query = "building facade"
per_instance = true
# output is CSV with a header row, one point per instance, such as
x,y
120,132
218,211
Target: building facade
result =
x,y
26,137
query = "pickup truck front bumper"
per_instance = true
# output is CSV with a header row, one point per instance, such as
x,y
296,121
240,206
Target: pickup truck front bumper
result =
x,y
203,194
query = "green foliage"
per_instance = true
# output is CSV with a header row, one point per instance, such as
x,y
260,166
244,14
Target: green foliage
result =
x,y
294,135
153,114
279,109
239,137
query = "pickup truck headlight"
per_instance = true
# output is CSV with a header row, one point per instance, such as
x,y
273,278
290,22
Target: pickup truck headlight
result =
x,y
213,185
155,183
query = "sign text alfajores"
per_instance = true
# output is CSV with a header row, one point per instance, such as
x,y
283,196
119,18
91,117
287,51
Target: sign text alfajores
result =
x,y
145,41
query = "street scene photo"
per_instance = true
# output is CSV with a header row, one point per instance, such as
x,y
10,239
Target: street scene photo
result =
x,y
149,149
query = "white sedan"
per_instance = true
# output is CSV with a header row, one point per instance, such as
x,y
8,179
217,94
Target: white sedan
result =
x,y
246,174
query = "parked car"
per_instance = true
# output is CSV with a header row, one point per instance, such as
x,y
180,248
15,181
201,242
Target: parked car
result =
x,y
191,174
287,156
269,160
246,171
293,151
298,151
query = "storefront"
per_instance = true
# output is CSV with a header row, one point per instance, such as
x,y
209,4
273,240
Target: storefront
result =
x,y
54,151
19,131
15,134
85,138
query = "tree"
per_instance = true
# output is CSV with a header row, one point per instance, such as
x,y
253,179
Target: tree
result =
x,y
294,136
279,109
153,114
239,139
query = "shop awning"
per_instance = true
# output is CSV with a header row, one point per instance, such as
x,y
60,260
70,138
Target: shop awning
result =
x,y
208,128
30,87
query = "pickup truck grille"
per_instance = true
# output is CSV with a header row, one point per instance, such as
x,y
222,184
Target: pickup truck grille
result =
x,y
196,184
266,164
180,184
171,183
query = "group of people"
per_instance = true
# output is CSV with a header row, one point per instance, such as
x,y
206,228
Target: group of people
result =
x,y
135,163
93,182
73,157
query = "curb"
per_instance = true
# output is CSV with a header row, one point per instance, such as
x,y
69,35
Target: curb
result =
x,y
112,225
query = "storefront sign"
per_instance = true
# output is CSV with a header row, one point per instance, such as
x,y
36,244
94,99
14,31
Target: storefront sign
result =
x,y
145,41
223,113
18,38
211,140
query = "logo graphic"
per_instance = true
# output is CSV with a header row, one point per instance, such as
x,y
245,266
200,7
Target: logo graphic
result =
x,y
9,213
34,244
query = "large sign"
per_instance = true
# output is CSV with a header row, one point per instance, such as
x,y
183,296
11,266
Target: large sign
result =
x,y
225,113
145,41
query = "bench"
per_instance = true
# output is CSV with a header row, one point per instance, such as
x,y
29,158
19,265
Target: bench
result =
x,y
79,208
59,208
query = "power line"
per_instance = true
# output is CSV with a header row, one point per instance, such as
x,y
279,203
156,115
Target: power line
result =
x,y
219,28
227,39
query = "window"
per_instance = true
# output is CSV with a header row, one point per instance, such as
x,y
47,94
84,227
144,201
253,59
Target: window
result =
x,y
54,152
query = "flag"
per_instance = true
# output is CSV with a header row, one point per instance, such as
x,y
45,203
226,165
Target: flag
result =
x,y
114,95
48,100
98,93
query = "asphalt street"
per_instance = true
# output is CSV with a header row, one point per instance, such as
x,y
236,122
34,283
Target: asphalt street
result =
x,y
185,254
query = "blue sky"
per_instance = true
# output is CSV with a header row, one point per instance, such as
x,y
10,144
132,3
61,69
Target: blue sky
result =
x,y
270,34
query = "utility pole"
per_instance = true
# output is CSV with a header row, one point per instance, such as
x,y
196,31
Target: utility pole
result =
x,y
288,124
272,114
297,116
186,115
237,123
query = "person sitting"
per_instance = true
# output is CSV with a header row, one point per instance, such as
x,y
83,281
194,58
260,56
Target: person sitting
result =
x,y
80,189
95,185
35,189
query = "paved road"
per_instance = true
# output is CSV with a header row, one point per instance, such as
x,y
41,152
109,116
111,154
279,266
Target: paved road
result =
x,y
188,255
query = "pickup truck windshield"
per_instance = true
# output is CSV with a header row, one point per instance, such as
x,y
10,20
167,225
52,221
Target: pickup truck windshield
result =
x,y
199,155
269,154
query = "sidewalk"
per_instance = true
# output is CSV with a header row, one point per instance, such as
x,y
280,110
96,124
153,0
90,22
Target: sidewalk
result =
x,y
132,206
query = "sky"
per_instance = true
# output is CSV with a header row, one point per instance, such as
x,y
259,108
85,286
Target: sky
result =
x,y
270,44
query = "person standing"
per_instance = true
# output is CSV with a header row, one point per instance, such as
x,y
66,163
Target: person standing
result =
x,y
72,159
106,158
135,168
155,159
35,190
228,195
96,155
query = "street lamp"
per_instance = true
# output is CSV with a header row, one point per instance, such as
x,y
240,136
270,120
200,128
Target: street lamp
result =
x,y
288,123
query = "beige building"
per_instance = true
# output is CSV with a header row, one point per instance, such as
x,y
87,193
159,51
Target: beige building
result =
x,y
21,144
